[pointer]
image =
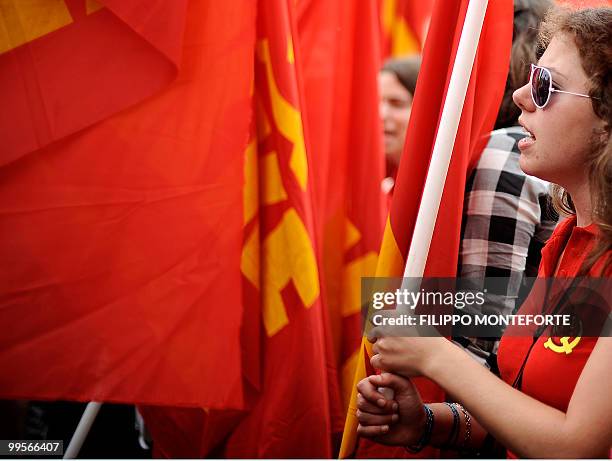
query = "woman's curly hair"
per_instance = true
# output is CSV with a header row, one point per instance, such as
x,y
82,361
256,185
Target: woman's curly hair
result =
x,y
591,30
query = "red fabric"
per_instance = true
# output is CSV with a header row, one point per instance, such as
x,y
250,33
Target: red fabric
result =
x,y
291,415
417,16
479,112
289,380
54,88
121,243
188,432
357,134
577,243
548,376
414,15
338,44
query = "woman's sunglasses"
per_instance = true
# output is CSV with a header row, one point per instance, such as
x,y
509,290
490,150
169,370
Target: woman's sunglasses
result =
x,y
542,86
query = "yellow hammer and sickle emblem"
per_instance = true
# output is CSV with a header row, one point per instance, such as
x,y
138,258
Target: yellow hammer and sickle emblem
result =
x,y
566,346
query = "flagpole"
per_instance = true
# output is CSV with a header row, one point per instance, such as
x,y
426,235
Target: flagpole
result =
x,y
445,139
442,152
80,434
443,147
438,167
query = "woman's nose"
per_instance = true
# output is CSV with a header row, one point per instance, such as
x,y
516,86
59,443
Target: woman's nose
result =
x,y
522,98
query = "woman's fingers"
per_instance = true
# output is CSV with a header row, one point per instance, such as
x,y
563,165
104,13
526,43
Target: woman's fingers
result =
x,y
377,362
372,431
370,393
366,392
374,333
374,408
369,419
396,382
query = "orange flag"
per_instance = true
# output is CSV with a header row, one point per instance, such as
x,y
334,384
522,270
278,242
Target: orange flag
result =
x,y
479,112
340,53
121,242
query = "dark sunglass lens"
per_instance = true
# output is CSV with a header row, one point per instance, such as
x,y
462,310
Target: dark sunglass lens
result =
x,y
540,86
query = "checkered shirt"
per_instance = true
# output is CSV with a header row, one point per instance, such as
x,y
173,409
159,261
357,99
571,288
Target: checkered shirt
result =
x,y
507,218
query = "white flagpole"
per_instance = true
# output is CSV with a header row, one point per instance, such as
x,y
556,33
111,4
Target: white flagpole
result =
x,y
443,147
445,139
442,151
88,418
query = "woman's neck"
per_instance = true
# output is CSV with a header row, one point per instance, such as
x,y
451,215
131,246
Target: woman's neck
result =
x,y
581,197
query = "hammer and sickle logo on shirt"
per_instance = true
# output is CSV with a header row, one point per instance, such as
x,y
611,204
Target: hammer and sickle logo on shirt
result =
x,y
566,345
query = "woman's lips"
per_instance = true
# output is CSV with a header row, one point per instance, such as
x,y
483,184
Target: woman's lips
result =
x,y
526,143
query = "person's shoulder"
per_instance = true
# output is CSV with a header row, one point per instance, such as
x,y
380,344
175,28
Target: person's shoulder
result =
x,y
501,151
506,138
502,154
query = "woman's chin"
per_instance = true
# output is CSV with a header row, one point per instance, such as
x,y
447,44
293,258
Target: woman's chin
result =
x,y
524,163
529,166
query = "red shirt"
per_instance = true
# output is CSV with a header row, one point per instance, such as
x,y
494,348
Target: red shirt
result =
x,y
550,376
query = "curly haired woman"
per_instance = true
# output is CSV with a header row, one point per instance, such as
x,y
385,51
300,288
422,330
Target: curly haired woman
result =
x,y
547,404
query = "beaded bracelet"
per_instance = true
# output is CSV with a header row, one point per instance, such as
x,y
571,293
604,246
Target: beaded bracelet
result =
x,y
452,438
426,436
468,427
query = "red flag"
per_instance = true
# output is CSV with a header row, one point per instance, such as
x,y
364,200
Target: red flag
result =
x,y
122,242
126,51
291,416
339,44
404,25
479,111
285,357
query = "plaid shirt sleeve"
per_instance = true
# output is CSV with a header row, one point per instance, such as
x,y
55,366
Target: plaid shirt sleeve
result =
x,y
506,221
